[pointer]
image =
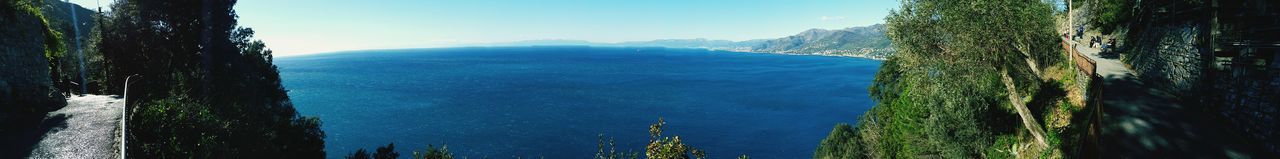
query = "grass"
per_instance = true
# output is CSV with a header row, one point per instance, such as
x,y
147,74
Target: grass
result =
x,y
1004,147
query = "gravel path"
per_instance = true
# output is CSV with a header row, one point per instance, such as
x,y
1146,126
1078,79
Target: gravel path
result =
x,y
89,129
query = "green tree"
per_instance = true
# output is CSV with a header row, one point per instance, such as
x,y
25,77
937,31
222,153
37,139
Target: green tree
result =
x,y
386,152
433,152
359,154
389,152
195,50
662,147
957,63
843,142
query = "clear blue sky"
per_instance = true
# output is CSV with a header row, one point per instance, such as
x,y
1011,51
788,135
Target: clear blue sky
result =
x,y
292,27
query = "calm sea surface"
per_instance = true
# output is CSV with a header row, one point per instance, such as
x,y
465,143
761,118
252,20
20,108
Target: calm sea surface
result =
x,y
553,101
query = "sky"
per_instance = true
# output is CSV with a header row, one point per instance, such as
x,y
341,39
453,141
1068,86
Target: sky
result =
x,y
296,27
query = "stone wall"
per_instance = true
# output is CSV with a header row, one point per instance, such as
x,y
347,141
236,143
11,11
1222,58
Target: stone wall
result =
x,y
1247,95
1170,57
1243,89
25,86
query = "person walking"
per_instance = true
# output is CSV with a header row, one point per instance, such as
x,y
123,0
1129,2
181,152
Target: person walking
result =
x,y
1079,32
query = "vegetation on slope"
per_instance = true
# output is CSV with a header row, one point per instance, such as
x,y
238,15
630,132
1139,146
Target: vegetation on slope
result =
x,y
659,147
199,86
843,142
943,94
1108,16
66,66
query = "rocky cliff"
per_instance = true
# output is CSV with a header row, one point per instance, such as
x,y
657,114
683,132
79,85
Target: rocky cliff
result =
x,y
26,93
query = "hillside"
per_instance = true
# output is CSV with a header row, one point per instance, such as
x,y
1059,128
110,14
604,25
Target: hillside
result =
x,y
66,67
868,42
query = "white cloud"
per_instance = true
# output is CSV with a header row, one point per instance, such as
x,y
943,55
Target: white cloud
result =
x,y
831,18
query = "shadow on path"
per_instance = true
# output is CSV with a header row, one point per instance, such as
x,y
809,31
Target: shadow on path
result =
x,y
90,130
1143,122
21,139
1139,121
85,128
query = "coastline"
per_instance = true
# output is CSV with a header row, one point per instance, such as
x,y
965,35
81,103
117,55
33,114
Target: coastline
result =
x,y
800,54
735,50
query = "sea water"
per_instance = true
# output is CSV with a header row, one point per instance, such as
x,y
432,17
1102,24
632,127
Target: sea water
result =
x,y
553,102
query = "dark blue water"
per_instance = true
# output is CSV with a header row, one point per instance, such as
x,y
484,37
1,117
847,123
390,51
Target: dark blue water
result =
x,y
554,101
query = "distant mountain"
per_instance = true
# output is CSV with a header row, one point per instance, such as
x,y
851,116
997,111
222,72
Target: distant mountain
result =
x,y
698,43
545,43
671,43
867,42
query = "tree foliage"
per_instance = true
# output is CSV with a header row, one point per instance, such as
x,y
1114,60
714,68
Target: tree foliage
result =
x,y
389,152
659,147
662,147
940,94
383,152
193,51
841,143
433,152
359,154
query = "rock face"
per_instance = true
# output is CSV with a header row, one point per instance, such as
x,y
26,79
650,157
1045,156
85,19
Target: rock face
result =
x,y
1240,83
26,92
1171,57
25,86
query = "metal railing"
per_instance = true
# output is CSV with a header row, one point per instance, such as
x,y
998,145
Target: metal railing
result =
x,y
124,116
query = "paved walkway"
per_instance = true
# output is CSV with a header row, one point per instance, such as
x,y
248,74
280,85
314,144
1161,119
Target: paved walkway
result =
x,y
1143,122
87,129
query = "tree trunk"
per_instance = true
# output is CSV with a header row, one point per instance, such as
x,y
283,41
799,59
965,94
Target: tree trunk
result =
x,y
1028,120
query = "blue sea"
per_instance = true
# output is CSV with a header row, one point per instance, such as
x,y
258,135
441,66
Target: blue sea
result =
x,y
554,102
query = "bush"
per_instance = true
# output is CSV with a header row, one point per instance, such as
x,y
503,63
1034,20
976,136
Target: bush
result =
x,y
843,142
389,152
662,147
177,127
432,152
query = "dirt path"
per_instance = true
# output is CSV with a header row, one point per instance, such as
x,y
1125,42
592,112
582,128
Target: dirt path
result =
x,y
88,129
1143,122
